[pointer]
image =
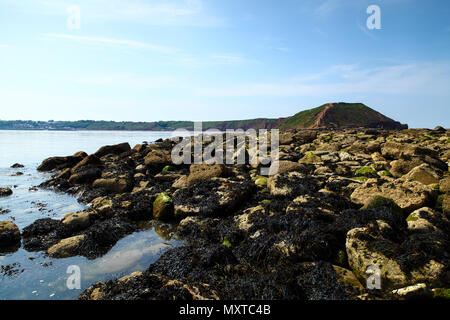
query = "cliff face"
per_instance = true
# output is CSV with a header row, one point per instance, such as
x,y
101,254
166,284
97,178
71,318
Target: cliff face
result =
x,y
341,115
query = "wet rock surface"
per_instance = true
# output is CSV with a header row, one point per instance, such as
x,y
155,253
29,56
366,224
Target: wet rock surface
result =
x,y
343,205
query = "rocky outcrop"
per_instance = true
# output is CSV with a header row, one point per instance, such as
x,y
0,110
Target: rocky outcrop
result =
x,y
339,205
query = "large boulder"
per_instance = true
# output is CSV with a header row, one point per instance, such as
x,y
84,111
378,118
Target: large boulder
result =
x,y
363,258
61,162
409,195
113,149
9,234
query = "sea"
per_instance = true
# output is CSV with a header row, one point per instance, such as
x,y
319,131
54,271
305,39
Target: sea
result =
x,y
34,275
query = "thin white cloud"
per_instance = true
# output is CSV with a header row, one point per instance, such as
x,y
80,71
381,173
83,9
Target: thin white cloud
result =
x,y
132,81
109,41
229,59
424,78
156,12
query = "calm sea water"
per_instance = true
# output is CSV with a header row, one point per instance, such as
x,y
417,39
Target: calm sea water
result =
x,y
34,275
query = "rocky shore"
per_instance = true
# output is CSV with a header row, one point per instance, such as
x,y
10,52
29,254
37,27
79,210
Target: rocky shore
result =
x,y
342,203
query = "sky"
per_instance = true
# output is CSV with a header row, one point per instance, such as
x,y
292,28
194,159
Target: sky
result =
x,y
151,60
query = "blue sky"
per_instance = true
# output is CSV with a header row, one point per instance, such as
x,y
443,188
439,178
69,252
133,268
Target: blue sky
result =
x,y
149,60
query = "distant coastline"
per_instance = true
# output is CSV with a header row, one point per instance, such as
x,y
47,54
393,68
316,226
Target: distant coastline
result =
x,y
327,116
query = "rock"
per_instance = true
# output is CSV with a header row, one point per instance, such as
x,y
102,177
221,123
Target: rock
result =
x,y
408,195
243,221
284,166
446,205
163,207
113,149
394,150
103,206
64,174
417,291
362,257
204,172
114,185
423,220
213,198
444,185
323,281
78,221
347,277
181,182
424,174
4,192
366,172
66,247
290,184
260,181
9,234
17,165
147,285
401,167
440,129
61,162
310,158
91,160
85,175
157,159
441,293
